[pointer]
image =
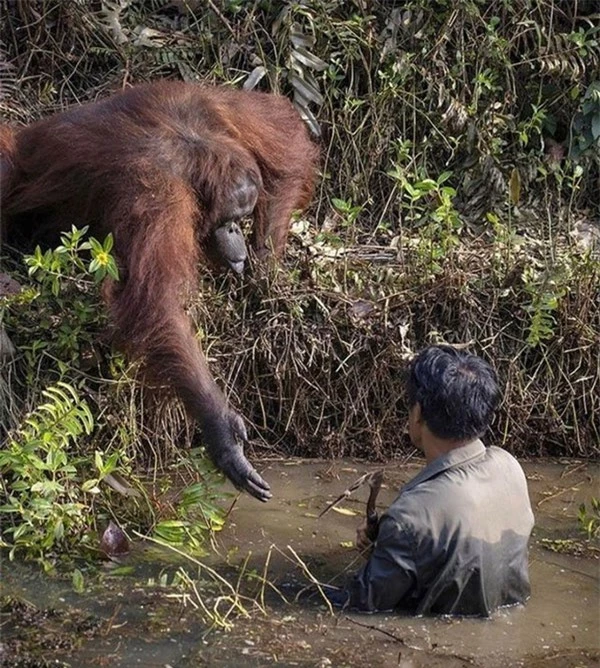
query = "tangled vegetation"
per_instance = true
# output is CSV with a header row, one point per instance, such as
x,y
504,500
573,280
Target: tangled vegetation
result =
x,y
72,460
458,202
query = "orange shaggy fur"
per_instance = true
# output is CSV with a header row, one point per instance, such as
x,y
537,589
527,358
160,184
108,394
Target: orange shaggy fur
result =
x,y
160,166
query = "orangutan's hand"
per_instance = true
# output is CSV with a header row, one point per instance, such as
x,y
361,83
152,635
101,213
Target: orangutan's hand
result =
x,y
224,435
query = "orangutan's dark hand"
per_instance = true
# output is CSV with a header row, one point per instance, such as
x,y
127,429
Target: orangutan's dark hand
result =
x,y
223,437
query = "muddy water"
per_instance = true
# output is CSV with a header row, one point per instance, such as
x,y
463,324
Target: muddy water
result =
x,y
125,622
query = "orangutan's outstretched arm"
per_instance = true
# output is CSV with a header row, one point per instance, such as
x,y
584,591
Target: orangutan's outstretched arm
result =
x,y
156,245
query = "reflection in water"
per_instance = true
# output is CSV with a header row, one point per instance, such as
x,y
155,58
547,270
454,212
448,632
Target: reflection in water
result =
x,y
142,626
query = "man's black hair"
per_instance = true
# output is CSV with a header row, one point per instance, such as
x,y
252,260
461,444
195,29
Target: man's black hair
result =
x,y
458,392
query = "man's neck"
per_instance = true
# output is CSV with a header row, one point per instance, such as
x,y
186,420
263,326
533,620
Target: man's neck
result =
x,y
434,447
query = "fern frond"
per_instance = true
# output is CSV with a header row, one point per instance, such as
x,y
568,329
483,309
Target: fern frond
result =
x,y
63,418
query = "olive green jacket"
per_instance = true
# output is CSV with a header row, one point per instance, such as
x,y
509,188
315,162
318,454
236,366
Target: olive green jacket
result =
x,y
454,541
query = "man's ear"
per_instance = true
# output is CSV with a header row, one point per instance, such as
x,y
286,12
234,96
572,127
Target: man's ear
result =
x,y
415,424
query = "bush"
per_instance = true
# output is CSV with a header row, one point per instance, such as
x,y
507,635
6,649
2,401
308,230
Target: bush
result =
x,y
64,468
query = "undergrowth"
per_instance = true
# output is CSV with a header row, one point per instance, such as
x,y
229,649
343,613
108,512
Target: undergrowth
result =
x,y
72,454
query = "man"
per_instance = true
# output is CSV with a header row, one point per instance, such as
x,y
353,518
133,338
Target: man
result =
x,y
455,539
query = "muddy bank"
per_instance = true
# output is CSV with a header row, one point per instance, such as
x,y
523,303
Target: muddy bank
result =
x,y
127,619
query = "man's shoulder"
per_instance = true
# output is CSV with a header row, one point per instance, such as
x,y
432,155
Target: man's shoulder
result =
x,y
448,491
496,451
409,506
502,457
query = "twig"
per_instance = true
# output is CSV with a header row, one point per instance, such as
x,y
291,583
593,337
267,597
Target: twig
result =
x,y
386,633
312,578
554,496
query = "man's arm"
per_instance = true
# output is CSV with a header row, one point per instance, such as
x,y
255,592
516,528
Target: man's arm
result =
x,y
389,575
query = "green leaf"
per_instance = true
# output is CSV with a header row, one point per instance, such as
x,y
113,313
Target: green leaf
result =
x,y
96,246
91,486
78,582
426,184
340,204
410,190
112,270
99,461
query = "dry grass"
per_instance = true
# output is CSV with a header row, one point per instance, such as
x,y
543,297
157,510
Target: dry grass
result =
x,y
319,370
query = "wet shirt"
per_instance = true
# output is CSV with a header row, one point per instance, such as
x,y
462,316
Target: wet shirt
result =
x,y
454,541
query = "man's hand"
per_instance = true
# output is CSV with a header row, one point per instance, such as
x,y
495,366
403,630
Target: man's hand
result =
x,y
363,542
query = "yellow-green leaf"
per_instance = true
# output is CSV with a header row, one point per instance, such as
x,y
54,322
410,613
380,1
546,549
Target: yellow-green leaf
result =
x,y
78,583
515,186
344,511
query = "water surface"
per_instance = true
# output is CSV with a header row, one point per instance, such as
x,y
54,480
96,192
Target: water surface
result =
x,y
124,621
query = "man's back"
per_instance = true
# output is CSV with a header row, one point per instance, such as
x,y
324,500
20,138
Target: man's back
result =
x,y
455,539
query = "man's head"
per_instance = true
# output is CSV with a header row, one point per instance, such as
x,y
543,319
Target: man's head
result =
x,y
452,393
